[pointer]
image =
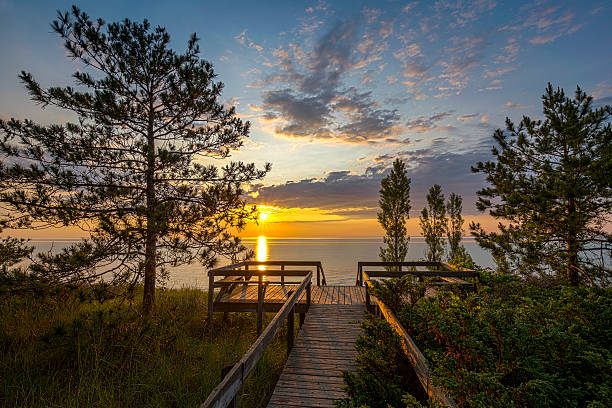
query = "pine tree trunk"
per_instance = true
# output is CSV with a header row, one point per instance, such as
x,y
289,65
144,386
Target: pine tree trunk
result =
x,y
148,300
572,247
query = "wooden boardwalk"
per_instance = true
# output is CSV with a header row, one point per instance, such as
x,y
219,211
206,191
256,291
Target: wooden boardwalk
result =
x,y
276,295
325,347
329,317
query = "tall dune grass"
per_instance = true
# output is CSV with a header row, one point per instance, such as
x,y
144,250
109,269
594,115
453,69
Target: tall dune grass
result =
x,y
66,353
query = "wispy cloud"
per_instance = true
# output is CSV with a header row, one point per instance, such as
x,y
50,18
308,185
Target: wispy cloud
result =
x,y
247,42
317,104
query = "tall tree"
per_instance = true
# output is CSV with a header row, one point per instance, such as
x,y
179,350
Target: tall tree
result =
x,y
454,228
433,223
136,170
395,207
550,186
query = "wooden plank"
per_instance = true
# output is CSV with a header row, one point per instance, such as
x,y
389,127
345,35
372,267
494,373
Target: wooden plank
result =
x,y
325,347
223,393
251,273
324,294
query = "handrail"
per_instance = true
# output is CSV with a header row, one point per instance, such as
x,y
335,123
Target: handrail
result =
x,y
416,357
442,269
229,269
226,391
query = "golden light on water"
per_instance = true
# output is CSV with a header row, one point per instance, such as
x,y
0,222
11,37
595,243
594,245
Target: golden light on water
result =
x,y
262,251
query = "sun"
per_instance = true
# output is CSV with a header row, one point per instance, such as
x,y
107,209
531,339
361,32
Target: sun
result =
x,y
263,216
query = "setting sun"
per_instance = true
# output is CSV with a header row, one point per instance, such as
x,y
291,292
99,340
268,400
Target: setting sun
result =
x,y
263,216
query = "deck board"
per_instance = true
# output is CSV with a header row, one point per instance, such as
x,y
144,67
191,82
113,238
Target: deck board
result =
x,y
324,348
275,293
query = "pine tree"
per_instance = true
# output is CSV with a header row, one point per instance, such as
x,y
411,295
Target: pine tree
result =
x,y
550,187
433,223
136,170
395,207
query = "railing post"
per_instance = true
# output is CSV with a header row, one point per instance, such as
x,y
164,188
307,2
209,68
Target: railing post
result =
x,y
367,296
308,295
260,302
318,275
211,297
282,276
290,329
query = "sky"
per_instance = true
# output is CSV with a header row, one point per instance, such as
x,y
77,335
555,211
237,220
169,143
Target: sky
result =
x,y
336,90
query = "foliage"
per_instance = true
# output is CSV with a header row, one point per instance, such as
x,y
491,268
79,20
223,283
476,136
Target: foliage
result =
x,y
454,228
550,189
70,353
433,223
462,259
377,383
136,169
397,293
514,344
395,207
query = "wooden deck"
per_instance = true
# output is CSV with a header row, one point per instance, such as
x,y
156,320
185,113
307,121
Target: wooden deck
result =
x,y
325,347
329,317
276,295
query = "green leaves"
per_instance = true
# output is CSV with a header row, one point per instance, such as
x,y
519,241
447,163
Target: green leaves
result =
x,y
136,169
395,208
433,223
550,187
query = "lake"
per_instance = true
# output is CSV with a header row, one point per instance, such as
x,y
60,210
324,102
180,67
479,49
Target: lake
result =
x,y
339,256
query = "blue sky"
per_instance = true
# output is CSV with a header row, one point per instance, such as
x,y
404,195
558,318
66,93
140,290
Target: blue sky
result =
x,y
336,90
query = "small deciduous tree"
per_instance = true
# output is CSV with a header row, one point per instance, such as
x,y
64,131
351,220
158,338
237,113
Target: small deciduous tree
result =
x,y
395,207
550,186
457,254
454,228
136,170
433,223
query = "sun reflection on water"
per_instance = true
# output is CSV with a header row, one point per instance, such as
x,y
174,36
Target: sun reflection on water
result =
x,y
262,251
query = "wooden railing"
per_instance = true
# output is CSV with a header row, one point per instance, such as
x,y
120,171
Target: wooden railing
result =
x,y
420,269
416,358
241,274
282,264
226,392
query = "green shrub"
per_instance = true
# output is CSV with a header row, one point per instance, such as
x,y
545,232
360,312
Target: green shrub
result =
x,y
510,344
377,382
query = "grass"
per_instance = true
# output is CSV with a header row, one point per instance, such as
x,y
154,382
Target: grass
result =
x,y
66,353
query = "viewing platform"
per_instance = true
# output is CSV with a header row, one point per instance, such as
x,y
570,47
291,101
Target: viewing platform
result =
x,y
329,322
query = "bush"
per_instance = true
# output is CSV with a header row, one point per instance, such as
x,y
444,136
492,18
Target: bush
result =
x,y
512,344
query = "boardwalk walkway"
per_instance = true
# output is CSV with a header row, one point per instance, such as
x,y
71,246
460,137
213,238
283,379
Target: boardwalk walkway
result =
x,y
325,347
276,296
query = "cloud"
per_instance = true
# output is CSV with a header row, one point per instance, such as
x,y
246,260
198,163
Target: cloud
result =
x,y
602,89
429,124
247,42
545,24
498,72
512,105
467,117
464,55
345,189
314,103
464,12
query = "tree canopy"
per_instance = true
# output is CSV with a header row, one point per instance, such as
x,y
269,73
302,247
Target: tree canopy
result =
x,y
136,168
550,188
433,223
395,208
